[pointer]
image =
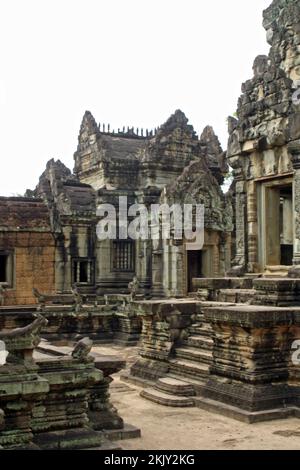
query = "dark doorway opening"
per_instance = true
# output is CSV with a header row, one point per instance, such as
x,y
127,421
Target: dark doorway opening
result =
x,y
3,268
194,267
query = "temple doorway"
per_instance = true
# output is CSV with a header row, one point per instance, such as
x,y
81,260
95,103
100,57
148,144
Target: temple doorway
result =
x,y
194,267
278,223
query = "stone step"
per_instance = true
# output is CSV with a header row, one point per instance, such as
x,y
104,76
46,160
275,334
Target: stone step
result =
x,y
196,383
214,284
200,341
174,387
235,295
165,399
194,354
126,432
203,330
186,368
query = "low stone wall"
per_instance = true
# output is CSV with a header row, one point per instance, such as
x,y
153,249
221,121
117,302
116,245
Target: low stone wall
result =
x,y
280,292
113,320
252,376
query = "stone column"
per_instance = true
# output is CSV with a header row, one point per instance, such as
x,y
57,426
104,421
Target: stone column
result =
x,y
294,149
157,274
239,264
157,268
252,227
181,269
143,253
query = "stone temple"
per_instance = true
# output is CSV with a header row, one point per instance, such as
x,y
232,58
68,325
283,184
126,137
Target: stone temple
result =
x,y
217,328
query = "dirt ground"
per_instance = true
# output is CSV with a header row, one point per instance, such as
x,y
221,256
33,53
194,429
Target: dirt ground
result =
x,y
165,428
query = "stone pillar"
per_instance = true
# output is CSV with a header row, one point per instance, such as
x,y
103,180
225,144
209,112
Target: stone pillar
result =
x,y
239,264
272,222
157,269
288,225
181,269
143,265
294,148
252,227
60,262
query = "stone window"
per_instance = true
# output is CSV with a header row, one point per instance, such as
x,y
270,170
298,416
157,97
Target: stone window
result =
x,y
83,271
123,255
6,268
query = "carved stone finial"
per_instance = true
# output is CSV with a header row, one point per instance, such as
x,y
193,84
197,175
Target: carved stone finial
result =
x,y
82,349
21,342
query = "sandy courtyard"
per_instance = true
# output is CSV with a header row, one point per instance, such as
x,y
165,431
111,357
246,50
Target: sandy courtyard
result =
x,y
166,428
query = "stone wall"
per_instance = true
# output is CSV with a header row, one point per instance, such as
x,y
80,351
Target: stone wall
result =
x,y
263,147
26,237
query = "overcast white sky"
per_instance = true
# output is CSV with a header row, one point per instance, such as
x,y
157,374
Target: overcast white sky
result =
x,y
130,62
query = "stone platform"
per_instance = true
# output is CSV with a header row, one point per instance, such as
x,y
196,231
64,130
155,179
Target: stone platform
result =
x,y
252,376
106,319
236,357
54,399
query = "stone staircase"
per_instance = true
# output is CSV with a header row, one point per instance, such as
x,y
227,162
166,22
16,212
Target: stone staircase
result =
x,y
170,392
189,365
190,362
189,368
193,358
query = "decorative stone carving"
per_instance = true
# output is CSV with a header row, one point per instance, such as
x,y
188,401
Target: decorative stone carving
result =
x,y
250,369
133,287
262,142
82,349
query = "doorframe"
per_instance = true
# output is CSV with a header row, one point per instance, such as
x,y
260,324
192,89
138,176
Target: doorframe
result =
x,y
262,184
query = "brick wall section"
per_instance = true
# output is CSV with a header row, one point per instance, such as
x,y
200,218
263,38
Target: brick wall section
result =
x,y
25,230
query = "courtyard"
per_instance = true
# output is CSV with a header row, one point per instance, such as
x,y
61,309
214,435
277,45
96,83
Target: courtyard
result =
x,y
191,428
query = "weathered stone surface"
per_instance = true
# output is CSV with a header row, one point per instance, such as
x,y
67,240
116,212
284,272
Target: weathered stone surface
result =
x,y
27,241
251,360
166,399
153,162
280,292
175,344
262,150
45,402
